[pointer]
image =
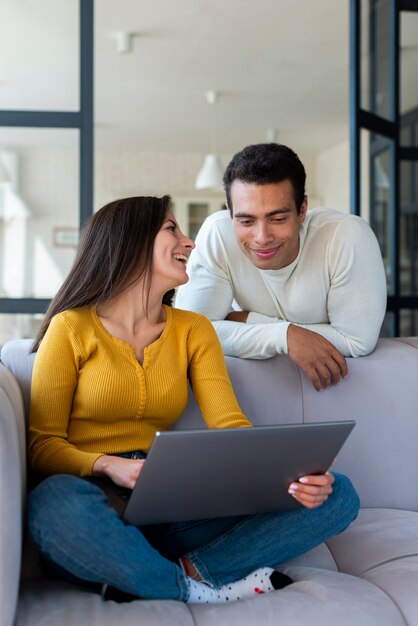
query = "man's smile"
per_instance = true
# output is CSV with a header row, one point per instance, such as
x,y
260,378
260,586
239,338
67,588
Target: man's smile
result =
x,y
265,253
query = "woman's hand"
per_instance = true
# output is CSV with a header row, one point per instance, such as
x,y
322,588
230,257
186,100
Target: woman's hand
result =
x,y
123,472
312,491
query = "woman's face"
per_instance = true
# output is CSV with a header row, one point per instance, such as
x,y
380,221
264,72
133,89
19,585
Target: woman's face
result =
x,y
171,251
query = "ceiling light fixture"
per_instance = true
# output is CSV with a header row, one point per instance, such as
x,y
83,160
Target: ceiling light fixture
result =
x,y
211,173
125,42
272,135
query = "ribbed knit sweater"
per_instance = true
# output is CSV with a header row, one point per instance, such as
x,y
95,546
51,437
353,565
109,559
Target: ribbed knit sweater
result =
x,y
90,396
335,287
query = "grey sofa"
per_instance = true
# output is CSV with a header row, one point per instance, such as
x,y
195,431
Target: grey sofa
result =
x,y
367,576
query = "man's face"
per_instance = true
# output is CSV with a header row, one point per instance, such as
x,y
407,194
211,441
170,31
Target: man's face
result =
x,y
266,222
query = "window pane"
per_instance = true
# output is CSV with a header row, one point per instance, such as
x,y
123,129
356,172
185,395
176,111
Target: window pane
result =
x,y
388,325
409,63
375,55
409,228
380,199
408,323
376,195
39,210
409,128
18,326
39,56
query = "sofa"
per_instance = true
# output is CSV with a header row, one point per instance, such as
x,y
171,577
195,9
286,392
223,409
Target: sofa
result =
x,y
367,575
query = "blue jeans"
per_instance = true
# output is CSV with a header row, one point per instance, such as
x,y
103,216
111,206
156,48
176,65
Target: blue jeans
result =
x,y
73,527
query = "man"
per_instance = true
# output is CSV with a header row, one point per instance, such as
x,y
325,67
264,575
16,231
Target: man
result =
x,y
276,278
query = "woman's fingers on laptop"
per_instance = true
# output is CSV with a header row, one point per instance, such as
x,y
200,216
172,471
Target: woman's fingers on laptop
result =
x,y
312,491
123,472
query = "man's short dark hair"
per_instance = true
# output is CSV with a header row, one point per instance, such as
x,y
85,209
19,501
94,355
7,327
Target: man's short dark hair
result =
x,y
265,163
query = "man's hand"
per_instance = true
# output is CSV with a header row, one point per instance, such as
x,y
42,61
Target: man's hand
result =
x,y
123,472
312,491
321,361
237,316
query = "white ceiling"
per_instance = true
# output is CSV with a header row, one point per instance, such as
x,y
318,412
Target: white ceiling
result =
x,y
279,64
275,63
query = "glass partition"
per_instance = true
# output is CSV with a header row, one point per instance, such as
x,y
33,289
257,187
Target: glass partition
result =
x,y
409,227
38,210
375,58
408,69
19,326
50,56
408,323
376,189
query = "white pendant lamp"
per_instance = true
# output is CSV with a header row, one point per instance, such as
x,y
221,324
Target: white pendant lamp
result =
x,y
211,172
210,176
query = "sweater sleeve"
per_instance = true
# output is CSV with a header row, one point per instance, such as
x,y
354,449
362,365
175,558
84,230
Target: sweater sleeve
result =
x,y
356,301
54,380
253,340
209,379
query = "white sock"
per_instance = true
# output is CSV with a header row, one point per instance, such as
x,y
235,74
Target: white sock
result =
x,y
202,593
258,582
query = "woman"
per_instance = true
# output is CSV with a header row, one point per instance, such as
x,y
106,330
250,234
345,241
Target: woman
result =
x,y
112,366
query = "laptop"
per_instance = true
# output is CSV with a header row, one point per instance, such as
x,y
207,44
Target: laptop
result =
x,y
198,474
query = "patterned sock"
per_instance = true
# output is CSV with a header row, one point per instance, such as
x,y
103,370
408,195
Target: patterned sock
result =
x,y
260,581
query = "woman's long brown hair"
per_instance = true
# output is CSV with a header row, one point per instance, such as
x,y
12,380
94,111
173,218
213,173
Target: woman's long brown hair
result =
x,y
115,250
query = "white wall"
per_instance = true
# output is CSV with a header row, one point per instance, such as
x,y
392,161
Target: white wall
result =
x,y
331,178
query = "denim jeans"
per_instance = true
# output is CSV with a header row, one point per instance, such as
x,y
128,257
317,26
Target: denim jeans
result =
x,y
73,526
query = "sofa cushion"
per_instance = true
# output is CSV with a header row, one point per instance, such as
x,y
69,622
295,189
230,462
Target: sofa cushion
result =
x,y
328,598
376,537
399,580
59,604
318,598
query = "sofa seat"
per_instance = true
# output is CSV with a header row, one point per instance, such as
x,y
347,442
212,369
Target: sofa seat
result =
x,y
328,597
366,575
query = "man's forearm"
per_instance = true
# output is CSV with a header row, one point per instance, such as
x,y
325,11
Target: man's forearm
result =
x,y
359,343
252,341
268,336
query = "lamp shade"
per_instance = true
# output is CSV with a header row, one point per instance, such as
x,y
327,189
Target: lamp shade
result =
x,y
210,176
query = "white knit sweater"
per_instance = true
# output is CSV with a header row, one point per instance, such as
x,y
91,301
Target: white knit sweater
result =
x,y
335,287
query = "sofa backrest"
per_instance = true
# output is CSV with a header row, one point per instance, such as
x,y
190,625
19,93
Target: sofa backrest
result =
x,y
253,383
381,394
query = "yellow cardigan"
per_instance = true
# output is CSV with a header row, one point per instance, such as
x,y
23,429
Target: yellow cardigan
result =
x,y
90,396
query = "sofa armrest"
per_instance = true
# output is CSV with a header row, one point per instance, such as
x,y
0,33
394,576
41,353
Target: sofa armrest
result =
x,y
12,491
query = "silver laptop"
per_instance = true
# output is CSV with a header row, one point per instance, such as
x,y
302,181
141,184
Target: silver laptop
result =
x,y
196,474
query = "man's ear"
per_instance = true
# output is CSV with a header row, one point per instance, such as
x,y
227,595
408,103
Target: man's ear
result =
x,y
303,209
